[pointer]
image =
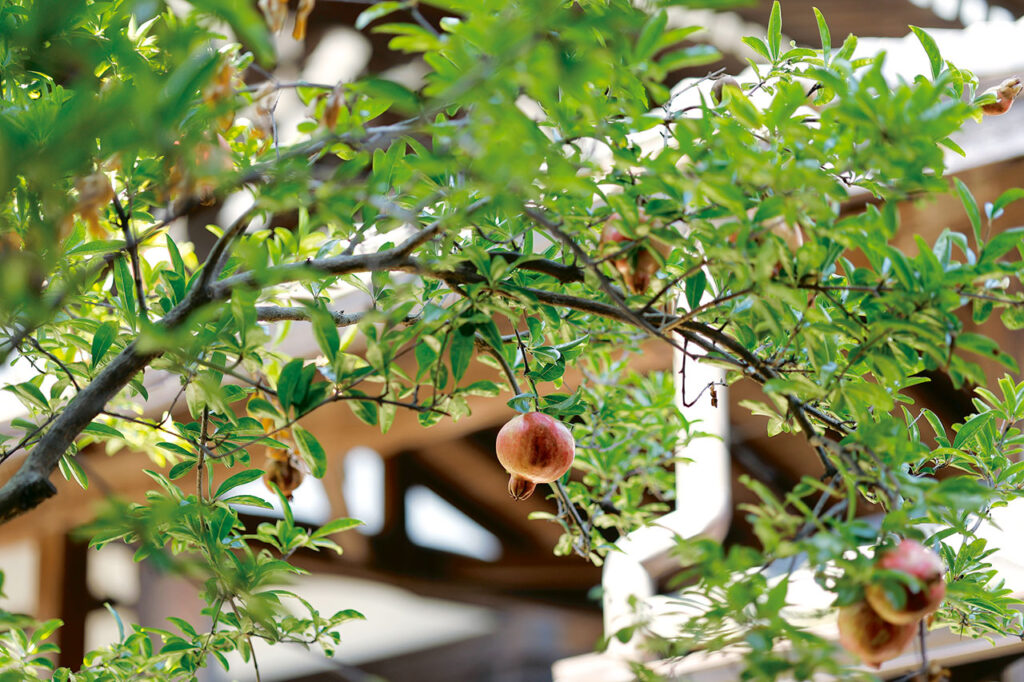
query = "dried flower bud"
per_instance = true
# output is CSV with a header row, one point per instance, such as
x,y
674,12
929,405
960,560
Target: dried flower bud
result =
x,y
261,99
222,89
332,107
94,192
302,13
275,12
284,474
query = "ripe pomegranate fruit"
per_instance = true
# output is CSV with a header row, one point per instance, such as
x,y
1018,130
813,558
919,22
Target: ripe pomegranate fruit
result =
x,y
637,265
534,448
1005,93
919,562
866,634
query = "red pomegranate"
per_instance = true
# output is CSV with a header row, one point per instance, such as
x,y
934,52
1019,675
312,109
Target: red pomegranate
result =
x,y
919,562
534,448
866,634
1005,93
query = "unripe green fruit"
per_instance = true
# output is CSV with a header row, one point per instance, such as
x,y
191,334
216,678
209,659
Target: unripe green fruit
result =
x,y
718,89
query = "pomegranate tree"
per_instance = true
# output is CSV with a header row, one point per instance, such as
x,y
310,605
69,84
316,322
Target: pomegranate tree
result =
x,y
920,563
875,640
534,448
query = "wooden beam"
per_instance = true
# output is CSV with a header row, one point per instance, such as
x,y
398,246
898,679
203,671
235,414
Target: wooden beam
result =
x,y
476,484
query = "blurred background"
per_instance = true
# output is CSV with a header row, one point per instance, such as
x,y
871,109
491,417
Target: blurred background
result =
x,y
456,583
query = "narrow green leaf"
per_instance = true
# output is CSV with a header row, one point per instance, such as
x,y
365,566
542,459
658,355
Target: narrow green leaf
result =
x,y
241,478
102,340
775,30
1001,243
823,32
335,526
848,47
311,451
125,288
326,334
250,500
1005,199
288,383
461,351
247,24
930,48
176,261
102,430
971,206
29,392
758,46
647,42
72,470
365,410
181,468
970,428
378,10
695,286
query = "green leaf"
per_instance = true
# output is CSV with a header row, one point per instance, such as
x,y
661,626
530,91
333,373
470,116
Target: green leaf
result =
x,y
28,392
241,478
246,22
102,340
931,49
288,390
1005,199
848,47
823,32
1001,243
695,286
775,30
250,500
461,352
326,333
72,470
971,427
181,468
758,46
365,410
647,42
950,144
258,407
176,261
378,10
125,288
335,526
971,206
102,430
311,451
426,354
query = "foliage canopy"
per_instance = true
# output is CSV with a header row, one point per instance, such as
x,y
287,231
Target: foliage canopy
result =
x,y
467,213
